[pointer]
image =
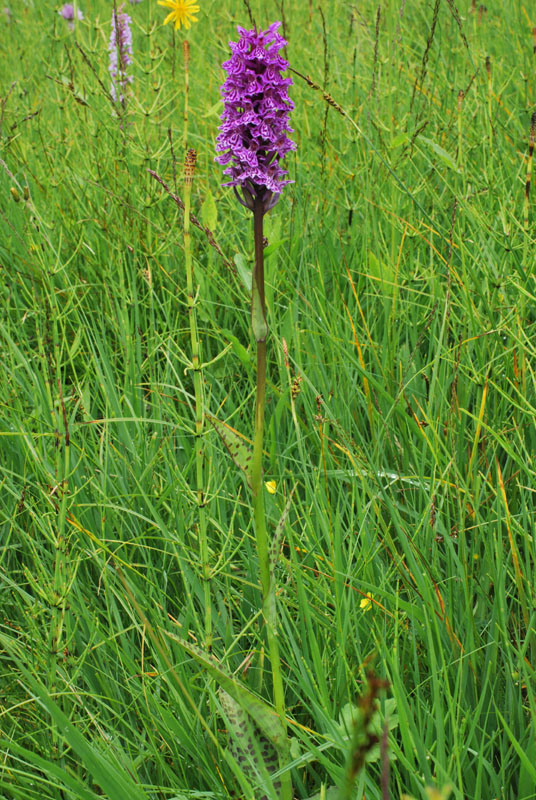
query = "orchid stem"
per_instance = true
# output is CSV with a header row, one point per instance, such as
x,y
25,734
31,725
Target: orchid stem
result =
x,y
260,331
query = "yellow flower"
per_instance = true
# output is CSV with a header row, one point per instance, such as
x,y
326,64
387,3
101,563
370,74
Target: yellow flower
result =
x,y
271,486
182,12
366,602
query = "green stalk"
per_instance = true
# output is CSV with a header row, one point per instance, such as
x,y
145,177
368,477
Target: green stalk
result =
x,y
189,168
526,242
490,124
490,97
60,585
461,97
527,191
260,331
186,54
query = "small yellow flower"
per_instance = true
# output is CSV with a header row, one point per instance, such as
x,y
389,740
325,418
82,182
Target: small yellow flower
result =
x,y
271,486
366,602
182,12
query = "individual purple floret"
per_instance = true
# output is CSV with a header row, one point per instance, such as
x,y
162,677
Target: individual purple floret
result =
x,y
120,48
67,12
252,136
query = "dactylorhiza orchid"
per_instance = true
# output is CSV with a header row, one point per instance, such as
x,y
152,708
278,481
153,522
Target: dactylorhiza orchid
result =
x,y
67,11
252,143
253,133
120,49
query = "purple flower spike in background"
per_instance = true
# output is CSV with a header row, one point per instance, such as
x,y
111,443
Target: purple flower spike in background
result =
x,y
253,132
120,54
67,12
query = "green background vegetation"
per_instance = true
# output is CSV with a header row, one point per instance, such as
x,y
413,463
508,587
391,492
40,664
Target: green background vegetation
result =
x,y
400,271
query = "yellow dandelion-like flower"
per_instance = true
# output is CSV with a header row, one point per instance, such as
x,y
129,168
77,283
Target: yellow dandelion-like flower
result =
x,y
366,602
271,486
182,12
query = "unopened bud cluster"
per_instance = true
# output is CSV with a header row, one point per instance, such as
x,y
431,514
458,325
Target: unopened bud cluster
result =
x,y
189,166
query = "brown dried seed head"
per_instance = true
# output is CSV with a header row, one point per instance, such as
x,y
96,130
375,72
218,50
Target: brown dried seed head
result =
x,y
295,388
186,52
189,166
285,351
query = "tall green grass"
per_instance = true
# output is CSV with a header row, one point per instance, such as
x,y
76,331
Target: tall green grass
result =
x,y
400,407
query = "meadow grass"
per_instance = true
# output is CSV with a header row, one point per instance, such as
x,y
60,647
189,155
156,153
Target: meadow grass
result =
x,y
399,422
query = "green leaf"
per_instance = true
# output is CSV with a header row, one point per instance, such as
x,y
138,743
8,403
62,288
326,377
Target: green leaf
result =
x,y
86,401
258,320
265,717
295,749
215,110
445,157
73,349
274,549
209,212
399,140
272,247
382,271
331,793
351,715
238,348
235,444
244,270
256,756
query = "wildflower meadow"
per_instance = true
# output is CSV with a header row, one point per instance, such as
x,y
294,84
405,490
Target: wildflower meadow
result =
x,y
267,400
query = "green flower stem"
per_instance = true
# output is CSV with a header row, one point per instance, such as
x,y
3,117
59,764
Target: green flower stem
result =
x,y
527,192
199,399
260,330
60,585
186,54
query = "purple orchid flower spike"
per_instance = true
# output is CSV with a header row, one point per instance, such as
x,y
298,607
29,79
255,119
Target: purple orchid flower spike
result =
x,y
252,136
120,49
68,13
